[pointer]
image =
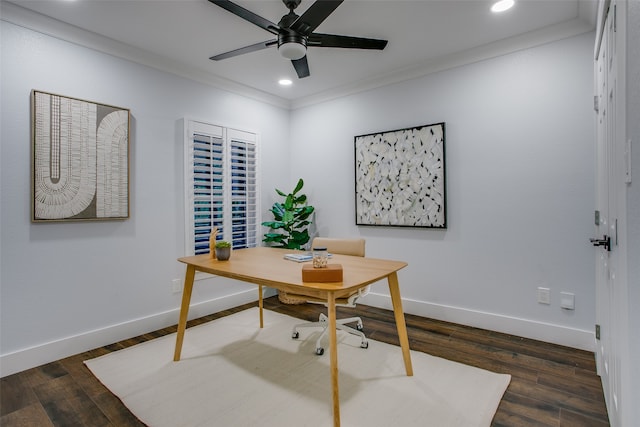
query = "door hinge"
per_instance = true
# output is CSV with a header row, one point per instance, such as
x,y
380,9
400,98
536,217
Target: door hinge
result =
x,y
595,103
597,332
615,18
627,162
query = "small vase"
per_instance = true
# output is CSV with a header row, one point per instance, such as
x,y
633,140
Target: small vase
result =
x,y
223,254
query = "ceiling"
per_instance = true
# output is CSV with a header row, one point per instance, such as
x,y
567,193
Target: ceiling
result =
x,y
424,35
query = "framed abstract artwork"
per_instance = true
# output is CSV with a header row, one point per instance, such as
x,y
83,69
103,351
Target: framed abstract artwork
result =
x,y
400,177
80,162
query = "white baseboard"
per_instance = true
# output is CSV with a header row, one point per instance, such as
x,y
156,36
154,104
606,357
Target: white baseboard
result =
x,y
555,334
48,352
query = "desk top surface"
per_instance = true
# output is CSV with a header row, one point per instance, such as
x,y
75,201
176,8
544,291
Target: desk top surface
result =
x,y
267,266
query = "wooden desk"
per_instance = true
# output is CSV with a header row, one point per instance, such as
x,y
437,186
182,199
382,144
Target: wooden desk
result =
x,y
267,267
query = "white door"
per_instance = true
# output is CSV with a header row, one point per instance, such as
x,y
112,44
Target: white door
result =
x,y
610,310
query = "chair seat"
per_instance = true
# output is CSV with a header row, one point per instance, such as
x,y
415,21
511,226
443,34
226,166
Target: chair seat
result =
x,y
339,301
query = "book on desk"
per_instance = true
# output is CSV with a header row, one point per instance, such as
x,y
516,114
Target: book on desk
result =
x,y
301,257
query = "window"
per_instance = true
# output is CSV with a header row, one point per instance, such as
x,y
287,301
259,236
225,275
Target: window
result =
x,y
221,186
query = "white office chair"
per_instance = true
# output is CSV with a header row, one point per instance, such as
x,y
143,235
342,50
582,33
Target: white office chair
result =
x,y
345,247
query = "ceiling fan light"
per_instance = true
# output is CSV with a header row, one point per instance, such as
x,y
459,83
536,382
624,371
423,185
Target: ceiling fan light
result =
x,y
292,50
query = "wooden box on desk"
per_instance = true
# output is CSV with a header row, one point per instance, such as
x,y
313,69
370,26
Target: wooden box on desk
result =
x,y
332,273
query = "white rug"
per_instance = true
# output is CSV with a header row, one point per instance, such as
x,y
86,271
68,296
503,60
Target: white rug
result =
x,y
234,374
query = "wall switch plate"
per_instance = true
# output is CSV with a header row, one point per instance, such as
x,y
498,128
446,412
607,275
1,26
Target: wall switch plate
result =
x,y
544,296
176,286
567,300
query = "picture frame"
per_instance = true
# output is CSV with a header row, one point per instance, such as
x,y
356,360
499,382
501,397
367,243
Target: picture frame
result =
x,y
400,177
80,159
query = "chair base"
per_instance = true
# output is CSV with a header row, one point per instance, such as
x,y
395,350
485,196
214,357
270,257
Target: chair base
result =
x,y
323,322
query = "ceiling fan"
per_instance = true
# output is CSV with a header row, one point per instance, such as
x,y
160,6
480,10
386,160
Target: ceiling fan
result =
x,y
295,33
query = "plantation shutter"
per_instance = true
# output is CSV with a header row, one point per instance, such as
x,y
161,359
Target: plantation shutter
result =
x,y
244,189
221,188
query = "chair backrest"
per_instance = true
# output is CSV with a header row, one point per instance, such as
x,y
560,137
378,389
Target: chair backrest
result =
x,y
353,247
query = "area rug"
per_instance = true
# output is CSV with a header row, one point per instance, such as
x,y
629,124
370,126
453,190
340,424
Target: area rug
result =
x,y
232,373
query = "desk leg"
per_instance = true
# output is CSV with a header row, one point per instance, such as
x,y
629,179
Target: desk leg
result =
x,y
184,310
394,289
333,355
260,305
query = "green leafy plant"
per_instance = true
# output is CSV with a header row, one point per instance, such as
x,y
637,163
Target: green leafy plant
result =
x,y
289,228
223,244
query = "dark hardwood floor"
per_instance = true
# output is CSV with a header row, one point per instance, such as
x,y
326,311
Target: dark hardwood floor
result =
x,y
550,386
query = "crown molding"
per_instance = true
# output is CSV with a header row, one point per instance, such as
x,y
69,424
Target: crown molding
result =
x,y
37,22
528,40
20,16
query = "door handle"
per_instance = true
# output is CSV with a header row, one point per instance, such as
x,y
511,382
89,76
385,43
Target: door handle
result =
x,y
605,241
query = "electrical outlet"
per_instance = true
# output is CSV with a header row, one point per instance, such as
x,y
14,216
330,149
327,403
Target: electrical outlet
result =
x,y
176,286
544,296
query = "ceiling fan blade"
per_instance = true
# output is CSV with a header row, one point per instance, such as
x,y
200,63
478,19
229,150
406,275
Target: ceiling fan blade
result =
x,y
246,49
247,15
314,16
302,67
332,40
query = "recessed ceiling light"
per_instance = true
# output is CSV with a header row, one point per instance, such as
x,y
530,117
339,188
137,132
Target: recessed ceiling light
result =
x,y
502,5
285,82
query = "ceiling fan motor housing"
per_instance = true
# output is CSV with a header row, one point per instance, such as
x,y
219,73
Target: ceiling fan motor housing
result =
x,y
292,46
291,4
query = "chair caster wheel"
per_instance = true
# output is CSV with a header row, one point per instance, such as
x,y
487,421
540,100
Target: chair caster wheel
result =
x,y
365,344
319,351
295,335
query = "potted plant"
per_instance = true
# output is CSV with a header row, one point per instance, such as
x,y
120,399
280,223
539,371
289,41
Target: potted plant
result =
x,y
223,250
289,228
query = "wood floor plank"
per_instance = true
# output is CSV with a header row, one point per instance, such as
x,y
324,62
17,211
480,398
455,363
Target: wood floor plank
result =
x,y
82,376
464,352
67,404
572,385
32,415
534,409
538,349
573,419
560,398
115,411
15,394
504,418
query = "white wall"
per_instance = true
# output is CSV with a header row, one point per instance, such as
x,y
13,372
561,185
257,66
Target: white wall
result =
x,y
520,188
67,287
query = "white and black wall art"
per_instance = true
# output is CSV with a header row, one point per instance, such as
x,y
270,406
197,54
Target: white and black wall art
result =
x,y
400,177
80,159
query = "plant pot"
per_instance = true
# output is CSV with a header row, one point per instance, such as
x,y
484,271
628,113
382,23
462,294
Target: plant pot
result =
x,y
223,254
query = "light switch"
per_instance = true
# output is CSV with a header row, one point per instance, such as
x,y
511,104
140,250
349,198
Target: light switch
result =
x,y
543,295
